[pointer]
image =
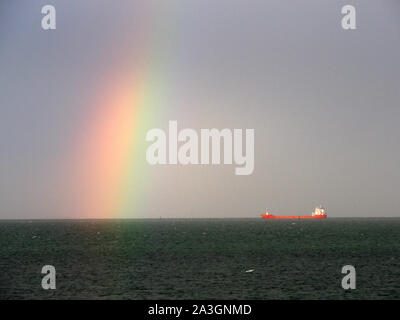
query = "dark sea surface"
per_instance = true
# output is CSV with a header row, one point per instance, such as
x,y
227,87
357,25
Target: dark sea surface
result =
x,y
200,258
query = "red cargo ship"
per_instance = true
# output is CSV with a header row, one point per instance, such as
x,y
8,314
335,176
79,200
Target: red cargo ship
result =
x,y
318,213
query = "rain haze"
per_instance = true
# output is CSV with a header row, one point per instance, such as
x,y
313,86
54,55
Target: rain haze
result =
x,y
323,102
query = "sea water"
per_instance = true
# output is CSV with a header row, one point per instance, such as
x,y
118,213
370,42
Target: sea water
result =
x,y
201,258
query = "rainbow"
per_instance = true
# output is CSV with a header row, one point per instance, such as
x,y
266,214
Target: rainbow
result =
x,y
108,152
110,168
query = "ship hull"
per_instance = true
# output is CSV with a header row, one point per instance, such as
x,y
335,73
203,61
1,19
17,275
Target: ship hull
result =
x,y
271,216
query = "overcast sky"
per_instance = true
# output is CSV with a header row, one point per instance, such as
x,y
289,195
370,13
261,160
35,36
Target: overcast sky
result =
x,y
323,101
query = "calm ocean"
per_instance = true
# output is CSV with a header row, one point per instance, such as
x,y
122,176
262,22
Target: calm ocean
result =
x,y
201,258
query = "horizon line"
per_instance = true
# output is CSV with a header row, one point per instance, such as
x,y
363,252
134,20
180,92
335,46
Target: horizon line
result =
x,y
175,218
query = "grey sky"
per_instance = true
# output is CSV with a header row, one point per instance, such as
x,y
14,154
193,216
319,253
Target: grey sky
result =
x,y
324,102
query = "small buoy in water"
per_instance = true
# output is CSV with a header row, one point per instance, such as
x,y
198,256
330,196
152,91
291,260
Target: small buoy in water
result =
x,y
251,270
